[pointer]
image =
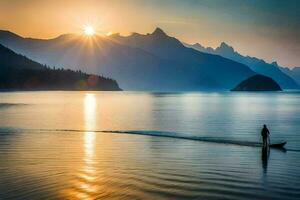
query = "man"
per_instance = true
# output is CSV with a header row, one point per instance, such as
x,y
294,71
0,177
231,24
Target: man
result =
x,y
265,135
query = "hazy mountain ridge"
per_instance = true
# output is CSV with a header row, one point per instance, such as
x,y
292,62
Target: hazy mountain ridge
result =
x,y
20,73
170,48
274,71
294,73
138,62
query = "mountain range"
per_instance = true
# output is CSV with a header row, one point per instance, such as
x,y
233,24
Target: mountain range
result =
x,y
17,72
285,78
155,61
294,73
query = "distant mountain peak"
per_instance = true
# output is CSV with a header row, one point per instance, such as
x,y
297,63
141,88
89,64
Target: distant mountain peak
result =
x,y
8,34
225,47
66,36
275,63
198,45
135,34
272,70
158,31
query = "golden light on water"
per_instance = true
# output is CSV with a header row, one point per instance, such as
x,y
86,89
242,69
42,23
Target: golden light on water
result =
x,y
89,172
83,186
89,138
89,112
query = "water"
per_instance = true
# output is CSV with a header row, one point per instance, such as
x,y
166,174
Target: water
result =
x,y
108,145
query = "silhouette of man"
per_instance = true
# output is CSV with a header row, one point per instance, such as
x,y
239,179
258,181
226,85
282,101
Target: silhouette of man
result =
x,y
265,135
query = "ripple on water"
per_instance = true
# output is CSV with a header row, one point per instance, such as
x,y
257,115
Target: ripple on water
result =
x,y
140,167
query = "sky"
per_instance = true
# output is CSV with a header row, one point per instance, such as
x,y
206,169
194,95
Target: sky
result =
x,y
267,29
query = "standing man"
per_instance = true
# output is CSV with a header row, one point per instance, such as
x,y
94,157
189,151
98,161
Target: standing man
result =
x,y
265,135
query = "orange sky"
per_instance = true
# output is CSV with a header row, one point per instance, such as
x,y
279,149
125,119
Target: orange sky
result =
x,y
250,28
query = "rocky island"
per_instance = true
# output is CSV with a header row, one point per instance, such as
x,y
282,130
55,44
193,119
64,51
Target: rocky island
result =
x,y
258,83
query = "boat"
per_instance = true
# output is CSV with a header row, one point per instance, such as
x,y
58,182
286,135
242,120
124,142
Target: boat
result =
x,y
277,145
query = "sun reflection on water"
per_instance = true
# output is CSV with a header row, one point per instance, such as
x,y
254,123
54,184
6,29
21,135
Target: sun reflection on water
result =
x,y
83,185
90,106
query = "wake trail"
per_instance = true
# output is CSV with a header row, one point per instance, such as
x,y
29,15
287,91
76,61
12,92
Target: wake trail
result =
x,y
165,134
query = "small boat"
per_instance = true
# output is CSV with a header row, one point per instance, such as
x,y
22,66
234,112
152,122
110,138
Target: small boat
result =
x,y
277,145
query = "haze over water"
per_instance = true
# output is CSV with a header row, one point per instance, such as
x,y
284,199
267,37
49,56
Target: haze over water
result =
x,y
52,145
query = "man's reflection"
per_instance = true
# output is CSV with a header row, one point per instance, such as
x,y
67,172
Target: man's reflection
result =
x,y
265,153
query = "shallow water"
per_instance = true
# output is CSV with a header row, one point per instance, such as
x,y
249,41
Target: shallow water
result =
x,y
52,145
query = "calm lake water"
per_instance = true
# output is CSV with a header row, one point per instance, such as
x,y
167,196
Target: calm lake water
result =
x,y
110,145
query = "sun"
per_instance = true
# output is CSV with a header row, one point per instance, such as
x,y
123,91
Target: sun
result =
x,y
89,30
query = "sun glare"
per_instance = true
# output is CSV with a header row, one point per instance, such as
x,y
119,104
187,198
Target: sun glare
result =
x,y
89,30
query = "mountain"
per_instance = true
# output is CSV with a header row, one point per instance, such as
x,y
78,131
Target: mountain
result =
x,y
294,73
153,61
258,83
20,73
223,71
258,65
